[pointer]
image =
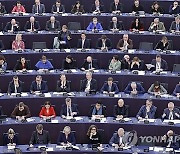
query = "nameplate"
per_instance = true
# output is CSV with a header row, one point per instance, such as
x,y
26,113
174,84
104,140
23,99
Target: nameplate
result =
x,y
97,120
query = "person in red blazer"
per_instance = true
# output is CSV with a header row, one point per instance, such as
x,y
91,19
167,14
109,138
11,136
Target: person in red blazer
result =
x,y
18,8
47,111
18,44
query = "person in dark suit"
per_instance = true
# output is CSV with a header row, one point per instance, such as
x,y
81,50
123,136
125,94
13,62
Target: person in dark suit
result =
x,y
121,110
68,63
147,111
176,91
126,63
2,9
83,43
137,25
97,7
52,24
39,136
125,43
156,8
109,87
10,138
69,109
137,7
12,26
15,86
175,25
104,43
58,7
77,8
32,25
116,7
63,85
66,138
22,64
38,8
163,44
171,112
38,86
159,64
116,25
137,64
89,64
174,8
134,89
89,83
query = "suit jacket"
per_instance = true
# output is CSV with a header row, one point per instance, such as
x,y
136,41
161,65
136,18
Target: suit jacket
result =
x,y
139,27
63,37
164,64
160,27
28,26
62,138
61,8
11,87
101,8
115,66
167,112
115,139
136,67
176,90
174,144
66,88
173,26
92,108
49,26
75,10
19,66
162,90
35,138
44,87
108,43
140,89
41,9
16,112
6,140
136,9
66,65
44,112
121,43
9,25
161,46
2,9
114,88
175,11
86,65
113,7
74,108
125,64
93,85
87,44
151,114
91,26
119,25
121,111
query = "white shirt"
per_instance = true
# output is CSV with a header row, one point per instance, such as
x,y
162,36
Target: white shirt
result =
x,y
158,66
88,85
57,9
83,43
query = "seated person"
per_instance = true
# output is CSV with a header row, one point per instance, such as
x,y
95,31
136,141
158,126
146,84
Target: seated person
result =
x,y
97,110
89,64
69,109
21,112
22,64
89,83
66,138
156,8
44,64
147,111
137,7
63,85
38,8
104,43
116,7
121,110
18,44
47,111
126,63
115,64
125,43
10,138
137,64
2,9
137,25
157,89
64,38
68,63
176,91
15,86
52,24
32,25
174,8
94,25
77,8
109,87
39,136
116,25
157,26
84,43
162,44
171,112
134,88
12,26
97,7
175,25
159,64
38,86
19,8
3,64
58,7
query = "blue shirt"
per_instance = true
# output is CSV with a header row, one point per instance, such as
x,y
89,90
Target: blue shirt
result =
x,y
92,26
46,65
176,90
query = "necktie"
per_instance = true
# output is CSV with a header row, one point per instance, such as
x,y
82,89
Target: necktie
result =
x,y
37,8
69,111
115,26
90,65
38,87
109,89
32,26
177,27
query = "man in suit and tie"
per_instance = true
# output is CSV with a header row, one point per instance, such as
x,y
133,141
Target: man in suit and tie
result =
x,y
69,109
15,86
32,25
83,43
175,25
147,111
171,112
38,8
125,43
116,7
134,88
52,24
157,26
58,7
116,25
109,87
89,64
89,83
38,86
12,26
104,43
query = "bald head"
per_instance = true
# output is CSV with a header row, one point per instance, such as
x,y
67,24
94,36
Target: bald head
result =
x,y
120,102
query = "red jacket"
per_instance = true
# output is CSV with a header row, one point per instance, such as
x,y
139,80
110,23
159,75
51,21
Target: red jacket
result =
x,y
44,112
16,9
